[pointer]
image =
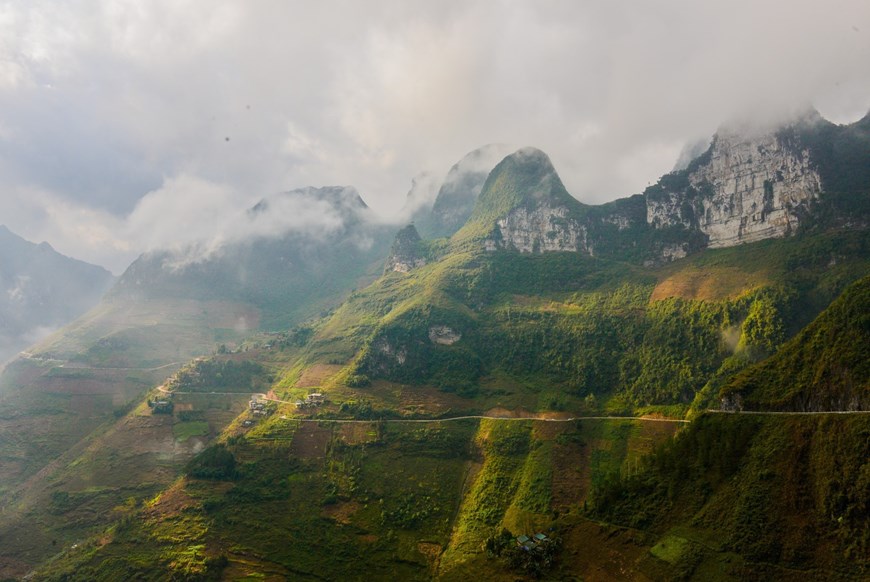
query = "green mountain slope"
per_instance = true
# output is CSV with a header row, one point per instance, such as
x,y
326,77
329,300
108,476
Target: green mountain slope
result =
x,y
583,325
753,497
306,501
77,384
286,277
539,309
825,367
525,177
787,494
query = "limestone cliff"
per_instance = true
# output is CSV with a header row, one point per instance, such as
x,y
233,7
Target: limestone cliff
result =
x,y
542,228
528,208
749,185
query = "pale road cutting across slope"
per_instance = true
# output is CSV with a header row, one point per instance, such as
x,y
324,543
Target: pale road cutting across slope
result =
x,y
262,396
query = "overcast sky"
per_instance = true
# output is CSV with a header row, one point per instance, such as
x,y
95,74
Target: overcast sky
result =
x,y
126,125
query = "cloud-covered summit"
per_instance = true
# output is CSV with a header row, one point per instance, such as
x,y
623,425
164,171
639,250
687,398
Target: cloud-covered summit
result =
x,y
111,111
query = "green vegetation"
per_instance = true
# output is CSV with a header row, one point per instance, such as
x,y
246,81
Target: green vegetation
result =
x,y
601,336
778,490
276,495
586,326
839,152
216,462
221,374
186,429
312,499
671,549
505,446
825,367
534,559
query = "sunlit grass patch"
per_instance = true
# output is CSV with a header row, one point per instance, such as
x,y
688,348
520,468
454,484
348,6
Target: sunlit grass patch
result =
x,y
185,430
670,548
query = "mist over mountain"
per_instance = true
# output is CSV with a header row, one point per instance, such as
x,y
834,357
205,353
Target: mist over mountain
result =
x,y
751,183
290,255
42,291
522,368
352,335
457,194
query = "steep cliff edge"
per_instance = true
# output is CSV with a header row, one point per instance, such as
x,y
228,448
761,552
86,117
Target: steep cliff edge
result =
x,y
751,184
748,186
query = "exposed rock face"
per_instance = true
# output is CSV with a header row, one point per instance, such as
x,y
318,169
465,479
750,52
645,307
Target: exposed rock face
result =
x,y
405,255
672,252
443,335
752,188
749,185
541,229
391,352
528,207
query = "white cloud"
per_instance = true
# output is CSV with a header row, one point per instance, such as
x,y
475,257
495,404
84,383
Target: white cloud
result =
x,y
113,112
184,210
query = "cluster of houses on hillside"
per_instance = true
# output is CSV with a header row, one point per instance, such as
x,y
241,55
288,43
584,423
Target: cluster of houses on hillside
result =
x,y
257,406
311,401
530,543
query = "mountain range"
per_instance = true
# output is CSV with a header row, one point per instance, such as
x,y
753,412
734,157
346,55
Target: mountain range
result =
x,y
538,387
43,290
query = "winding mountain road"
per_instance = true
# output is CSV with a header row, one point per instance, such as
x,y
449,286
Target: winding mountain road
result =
x,y
261,396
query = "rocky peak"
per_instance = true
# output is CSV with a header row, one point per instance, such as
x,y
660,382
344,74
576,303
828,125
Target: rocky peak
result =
x,y
525,178
406,253
749,185
450,204
753,182
344,199
524,206
40,290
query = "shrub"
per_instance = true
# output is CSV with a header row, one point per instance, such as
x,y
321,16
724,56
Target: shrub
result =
x,y
215,462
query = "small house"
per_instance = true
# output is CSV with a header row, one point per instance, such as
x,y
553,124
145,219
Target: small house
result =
x,y
162,407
